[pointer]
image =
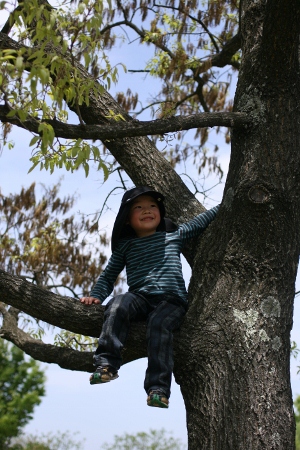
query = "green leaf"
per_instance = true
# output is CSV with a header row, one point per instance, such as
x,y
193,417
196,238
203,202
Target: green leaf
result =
x,y
105,171
19,62
44,75
22,114
86,169
34,140
33,166
11,113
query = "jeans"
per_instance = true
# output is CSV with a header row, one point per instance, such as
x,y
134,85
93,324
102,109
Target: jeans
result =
x,y
163,313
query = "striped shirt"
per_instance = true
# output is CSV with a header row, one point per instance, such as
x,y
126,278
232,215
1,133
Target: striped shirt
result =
x,y
153,264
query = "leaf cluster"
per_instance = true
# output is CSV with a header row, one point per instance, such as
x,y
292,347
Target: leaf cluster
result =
x,y
185,37
41,241
191,42
40,80
49,441
188,40
153,440
21,388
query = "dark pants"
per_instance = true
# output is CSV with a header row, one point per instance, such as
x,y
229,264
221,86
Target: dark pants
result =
x,y
163,313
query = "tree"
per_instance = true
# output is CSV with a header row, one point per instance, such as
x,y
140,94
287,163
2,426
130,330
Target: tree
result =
x,y
43,243
154,440
235,340
50,441
22,386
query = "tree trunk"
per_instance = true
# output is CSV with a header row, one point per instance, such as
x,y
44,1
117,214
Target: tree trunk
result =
x,y
233,366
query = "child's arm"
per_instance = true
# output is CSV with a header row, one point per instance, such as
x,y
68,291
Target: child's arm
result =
x,y
198,224
105,284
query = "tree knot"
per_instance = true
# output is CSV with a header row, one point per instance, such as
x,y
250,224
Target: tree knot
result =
x,y
259,194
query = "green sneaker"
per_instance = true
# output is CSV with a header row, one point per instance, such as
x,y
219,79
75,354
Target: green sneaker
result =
x,y
103,374
157,398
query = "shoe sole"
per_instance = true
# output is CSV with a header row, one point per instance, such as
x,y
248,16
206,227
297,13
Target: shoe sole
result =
x,y
156,402
97,379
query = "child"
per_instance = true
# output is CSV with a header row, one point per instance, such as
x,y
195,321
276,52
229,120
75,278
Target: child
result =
x,y
149,245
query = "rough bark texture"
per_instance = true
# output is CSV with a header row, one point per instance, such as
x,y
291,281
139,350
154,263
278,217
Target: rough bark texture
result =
x,y
237,337
134,128
232,353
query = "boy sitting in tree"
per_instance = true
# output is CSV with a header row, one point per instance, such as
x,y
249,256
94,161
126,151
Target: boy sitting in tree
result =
x,y
149,245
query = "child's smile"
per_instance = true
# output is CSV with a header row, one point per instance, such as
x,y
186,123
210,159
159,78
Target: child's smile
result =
x,y
144,216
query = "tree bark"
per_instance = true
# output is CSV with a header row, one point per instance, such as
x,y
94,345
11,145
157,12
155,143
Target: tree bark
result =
x,y
236,378
120,129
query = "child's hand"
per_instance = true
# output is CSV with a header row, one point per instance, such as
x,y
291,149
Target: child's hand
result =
x,y
89,300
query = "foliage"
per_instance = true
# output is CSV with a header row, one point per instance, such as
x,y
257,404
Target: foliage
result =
x,y
49,441
53,77
40,80
154,440
21,388
42,241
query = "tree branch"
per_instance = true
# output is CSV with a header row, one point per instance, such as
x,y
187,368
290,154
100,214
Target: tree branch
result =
x,y
65,357
63,312
123,129
225,56
140,33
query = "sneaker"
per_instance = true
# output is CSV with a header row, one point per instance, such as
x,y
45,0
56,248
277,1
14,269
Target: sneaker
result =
x,y
103,374
158,398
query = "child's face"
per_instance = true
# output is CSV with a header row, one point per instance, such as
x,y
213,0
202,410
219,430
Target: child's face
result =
x,y
144,216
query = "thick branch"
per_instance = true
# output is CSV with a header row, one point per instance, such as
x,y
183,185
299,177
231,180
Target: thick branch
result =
x,y
65,357
228,51
63,312
7,43
123,129
10,22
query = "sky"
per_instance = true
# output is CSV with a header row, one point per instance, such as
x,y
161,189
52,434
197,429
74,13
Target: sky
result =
x,y
99,412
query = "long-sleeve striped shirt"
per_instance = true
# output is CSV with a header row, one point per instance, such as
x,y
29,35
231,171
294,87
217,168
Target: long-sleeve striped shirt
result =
x,y
153,264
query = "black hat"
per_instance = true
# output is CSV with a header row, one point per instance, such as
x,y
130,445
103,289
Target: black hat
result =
x,y
122,230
